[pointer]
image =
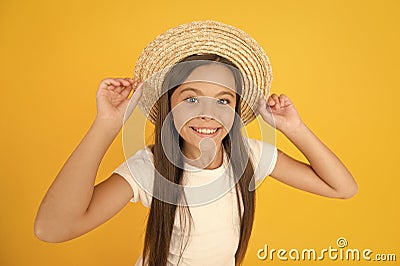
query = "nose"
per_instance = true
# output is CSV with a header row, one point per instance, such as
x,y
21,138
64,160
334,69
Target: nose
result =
x,y
206,118
206,109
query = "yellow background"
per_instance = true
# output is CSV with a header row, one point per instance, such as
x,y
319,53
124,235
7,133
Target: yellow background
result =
x,y
337,60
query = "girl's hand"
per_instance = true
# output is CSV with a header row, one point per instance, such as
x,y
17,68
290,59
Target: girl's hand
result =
x,y
112,99
281,113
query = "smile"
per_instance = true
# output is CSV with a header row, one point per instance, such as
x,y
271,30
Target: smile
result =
x,y
205,131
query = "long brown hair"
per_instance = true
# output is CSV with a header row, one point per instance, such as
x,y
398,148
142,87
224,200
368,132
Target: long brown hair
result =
x,y
162,214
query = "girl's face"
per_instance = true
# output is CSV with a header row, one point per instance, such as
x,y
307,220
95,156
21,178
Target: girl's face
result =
x,y
203,107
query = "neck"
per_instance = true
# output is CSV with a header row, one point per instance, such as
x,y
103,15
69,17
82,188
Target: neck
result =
x,y
203,157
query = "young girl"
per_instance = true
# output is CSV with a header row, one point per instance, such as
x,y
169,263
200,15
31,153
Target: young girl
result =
x,y
198,117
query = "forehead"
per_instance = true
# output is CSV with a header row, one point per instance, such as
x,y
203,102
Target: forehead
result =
x,y
202,88
215,74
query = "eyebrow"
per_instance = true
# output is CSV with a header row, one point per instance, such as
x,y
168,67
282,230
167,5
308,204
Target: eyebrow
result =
x,y
200,92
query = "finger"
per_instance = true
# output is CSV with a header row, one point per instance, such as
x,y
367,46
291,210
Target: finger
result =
x,y
271,101
131,81
265,111
276,100
123,82
110,82
281,100
287,99
126,91
132,102
269,104
137,94
133,85
123,88
262,106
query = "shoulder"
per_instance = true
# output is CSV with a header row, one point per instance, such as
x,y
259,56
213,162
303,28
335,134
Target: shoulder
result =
x,y
144,154
142,158
138,171
258,147
263,156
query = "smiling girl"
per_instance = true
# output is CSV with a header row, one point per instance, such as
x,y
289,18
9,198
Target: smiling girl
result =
x,y
198,115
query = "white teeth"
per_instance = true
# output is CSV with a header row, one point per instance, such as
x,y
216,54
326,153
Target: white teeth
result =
x,y
205,131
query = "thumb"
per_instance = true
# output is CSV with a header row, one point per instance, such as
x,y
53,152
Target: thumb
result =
x,y
137,94
265,111
130,104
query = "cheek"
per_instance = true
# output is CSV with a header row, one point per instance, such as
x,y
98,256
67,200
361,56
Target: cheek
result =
x,y
227,116
181,116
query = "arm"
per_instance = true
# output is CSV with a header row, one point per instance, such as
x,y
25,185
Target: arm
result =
x,y
325,175
72,205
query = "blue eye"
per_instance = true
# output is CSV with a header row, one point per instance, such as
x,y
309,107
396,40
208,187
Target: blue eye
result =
x,y
223,101
191,100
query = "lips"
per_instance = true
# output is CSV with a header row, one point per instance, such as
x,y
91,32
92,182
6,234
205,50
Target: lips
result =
x,y
206,131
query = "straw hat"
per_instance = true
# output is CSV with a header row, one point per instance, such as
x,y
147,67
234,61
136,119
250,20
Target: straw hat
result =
x,y
204,37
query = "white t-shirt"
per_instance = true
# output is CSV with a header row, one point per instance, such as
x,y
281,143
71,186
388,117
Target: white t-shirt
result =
x,y
214,238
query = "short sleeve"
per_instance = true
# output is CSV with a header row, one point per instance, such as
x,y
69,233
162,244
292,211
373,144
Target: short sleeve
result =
x,y
138,171
264,157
